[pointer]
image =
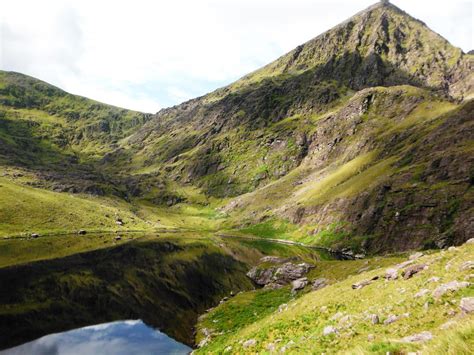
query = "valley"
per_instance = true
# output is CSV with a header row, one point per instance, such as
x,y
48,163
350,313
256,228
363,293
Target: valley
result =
x,y
279,213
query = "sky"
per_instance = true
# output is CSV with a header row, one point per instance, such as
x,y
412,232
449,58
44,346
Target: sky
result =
x,y
147,55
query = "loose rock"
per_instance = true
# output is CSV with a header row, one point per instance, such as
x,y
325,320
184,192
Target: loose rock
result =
x,y
329,330
468,265
374,319
299,284
361,284
249,343
412,270
391,274
422,293
319,284
467,304
421,337
416,256
449,287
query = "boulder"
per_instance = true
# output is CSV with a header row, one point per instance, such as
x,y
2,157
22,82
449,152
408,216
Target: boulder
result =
x,y
299,284
391,274
404,264
416,338
467,304
412,270
276,277
319,284
470,241
468,265
289,272
449,287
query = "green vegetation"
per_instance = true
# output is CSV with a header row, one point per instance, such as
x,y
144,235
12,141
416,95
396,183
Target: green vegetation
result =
x,y
298,326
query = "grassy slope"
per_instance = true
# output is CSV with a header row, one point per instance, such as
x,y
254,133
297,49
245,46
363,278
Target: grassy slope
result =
x,y
299,328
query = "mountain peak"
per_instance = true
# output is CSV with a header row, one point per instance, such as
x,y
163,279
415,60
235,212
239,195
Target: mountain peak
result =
x,y
379,46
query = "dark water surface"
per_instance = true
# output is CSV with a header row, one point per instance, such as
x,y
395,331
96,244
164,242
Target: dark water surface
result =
x,y
116,338
167,282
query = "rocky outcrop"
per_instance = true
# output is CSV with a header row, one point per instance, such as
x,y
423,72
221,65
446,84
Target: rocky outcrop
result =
x,y
280,275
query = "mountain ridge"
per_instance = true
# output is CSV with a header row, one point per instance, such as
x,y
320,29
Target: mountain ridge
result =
x,y
309,125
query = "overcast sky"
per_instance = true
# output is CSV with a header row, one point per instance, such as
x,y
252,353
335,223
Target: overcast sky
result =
x,y
145,55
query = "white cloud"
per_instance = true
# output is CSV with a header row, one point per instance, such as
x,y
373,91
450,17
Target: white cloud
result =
x,y
147,54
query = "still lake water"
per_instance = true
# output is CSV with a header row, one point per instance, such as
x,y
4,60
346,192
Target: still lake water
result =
x,y
116,338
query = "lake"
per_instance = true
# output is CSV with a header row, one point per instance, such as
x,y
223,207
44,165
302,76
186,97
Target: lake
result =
x,y
116,338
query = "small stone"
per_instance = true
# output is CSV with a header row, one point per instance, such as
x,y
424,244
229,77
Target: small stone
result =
x,y
345,319
361,284
391,319
249,343
283,307
448,324
422,293
467,304
421,337
452,249
370,337
374,318
470,241
337,316
329,330
319,284
118,238
228,349
35,235
433,279
82,232
270,347
416,256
